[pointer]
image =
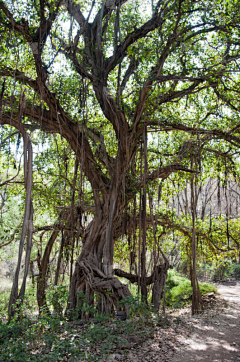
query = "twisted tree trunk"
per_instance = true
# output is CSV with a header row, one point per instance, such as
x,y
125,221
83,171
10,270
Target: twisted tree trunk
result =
x,y
93,272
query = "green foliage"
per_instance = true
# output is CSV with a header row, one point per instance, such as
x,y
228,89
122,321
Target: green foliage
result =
x,y
4,299
235,270
226,270
179,290
57,297
135,306
29,305
216,271
205,271
53,338
13,330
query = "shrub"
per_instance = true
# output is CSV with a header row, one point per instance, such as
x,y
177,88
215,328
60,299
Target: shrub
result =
x,y
227,270
234,270
12,330
179,290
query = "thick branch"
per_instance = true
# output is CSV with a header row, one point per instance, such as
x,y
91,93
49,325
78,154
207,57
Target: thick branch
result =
x,y
139,33
18,75
20,28
49,124
164,172
168,126
135,278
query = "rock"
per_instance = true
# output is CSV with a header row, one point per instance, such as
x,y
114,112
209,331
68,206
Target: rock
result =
x,y
121,315
125,345
130,355
111,358
133,339
163,321
114,357
211,295
118,356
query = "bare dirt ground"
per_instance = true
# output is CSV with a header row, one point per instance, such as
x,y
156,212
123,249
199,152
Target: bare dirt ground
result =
x,y
215,335
211,336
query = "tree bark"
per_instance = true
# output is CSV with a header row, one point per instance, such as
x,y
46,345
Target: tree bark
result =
x,y
144,226
93,269
196,296
159,287
27,226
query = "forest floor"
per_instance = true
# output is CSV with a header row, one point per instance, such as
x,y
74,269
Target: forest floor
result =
x,y
211,336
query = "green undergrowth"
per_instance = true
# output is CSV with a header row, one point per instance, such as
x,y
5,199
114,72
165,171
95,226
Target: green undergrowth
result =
x,y
226,271
55,338
30,337
179,290
216,271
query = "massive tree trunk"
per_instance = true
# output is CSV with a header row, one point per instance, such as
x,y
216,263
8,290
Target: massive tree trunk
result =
x,y
94,268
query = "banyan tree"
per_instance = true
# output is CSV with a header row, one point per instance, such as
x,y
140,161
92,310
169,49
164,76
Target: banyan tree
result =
x,y
106,76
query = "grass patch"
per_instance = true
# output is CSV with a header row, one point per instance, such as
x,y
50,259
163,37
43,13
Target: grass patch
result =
x,y
179,290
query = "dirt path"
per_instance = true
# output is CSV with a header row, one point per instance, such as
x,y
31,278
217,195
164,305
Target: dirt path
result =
x,y
214,336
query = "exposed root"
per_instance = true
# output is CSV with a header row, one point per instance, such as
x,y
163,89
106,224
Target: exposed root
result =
x,y
109,288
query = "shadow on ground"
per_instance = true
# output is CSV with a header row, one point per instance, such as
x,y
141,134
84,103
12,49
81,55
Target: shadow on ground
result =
x,y
214,336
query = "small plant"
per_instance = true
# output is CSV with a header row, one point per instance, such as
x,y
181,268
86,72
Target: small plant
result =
x,y
57,297
135,305
85,309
